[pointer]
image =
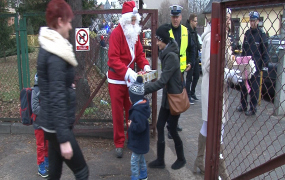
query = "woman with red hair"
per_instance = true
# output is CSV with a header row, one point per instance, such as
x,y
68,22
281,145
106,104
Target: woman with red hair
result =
x,y
56,63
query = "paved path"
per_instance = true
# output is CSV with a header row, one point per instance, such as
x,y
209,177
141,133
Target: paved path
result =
x,y
249,142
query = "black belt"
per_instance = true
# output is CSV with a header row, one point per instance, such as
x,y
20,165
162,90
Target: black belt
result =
x,y
111,69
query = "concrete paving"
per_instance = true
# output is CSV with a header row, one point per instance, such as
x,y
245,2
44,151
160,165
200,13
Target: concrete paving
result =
x,y
249,142
18,153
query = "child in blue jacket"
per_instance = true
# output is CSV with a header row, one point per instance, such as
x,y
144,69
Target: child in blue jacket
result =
x,y
42,144
138,131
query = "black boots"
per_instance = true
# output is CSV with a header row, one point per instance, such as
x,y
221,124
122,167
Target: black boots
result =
x,y
181,161
159,162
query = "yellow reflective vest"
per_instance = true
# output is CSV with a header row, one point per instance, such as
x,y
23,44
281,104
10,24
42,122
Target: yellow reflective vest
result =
x,y
183,46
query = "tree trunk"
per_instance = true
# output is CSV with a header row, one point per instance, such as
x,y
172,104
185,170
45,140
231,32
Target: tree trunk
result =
x,y
82,87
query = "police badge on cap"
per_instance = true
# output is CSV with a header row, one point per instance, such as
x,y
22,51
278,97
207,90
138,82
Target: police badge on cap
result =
x,y
175,10
254,15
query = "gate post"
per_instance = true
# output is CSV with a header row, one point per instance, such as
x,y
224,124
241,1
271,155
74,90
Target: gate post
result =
x,y
279,104
24,52
216,95
19,63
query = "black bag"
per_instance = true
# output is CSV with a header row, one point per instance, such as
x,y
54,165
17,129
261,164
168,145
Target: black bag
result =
x,y
27,115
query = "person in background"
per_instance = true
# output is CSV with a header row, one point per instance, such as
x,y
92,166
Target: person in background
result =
x,y
125,49
193,74
171,82
42,144
255,44
138,129
180,34
102,41
206,47
56,71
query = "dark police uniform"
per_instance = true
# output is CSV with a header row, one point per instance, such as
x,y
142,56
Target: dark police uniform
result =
x,y
255,44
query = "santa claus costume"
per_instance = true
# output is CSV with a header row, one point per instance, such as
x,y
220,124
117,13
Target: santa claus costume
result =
x,y
125,49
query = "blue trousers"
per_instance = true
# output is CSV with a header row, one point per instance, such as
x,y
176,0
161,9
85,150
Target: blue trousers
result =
x,y
138,166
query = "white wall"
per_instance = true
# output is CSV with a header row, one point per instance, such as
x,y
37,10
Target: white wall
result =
x,y
155,4
271,19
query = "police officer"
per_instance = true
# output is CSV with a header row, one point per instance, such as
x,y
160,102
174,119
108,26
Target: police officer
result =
x,y
193,58
180,34
255,44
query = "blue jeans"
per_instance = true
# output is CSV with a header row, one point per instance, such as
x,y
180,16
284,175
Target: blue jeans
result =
x,y
138,166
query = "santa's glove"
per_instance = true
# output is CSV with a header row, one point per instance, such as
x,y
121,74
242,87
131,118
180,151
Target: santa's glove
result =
x,y
129,83
147,68
130,76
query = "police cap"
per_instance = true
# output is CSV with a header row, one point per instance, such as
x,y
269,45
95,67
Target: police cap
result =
x,y
253,15
175,10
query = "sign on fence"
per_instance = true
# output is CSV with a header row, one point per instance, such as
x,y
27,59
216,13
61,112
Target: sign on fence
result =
x,y
82,39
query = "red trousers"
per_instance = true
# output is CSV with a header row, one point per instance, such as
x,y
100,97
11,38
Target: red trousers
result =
x,y
120,102
42,146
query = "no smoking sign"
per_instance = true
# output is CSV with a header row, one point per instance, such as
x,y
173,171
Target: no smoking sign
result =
x,y
82,39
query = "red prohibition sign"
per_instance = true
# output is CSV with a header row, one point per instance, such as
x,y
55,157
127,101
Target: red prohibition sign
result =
x,y
78,35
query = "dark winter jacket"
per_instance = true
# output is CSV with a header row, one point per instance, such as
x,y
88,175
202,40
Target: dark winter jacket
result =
x,y
192,55
255,44
36,105
139,129
55,69
170,78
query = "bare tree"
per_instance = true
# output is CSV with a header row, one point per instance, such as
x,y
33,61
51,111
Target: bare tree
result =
x,y
164,13
197,6
185,11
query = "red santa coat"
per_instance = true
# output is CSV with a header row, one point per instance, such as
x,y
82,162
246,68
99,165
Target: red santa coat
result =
x,y
120,56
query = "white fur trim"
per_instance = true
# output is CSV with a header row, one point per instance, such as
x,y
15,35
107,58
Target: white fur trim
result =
x,y
135,10
53,42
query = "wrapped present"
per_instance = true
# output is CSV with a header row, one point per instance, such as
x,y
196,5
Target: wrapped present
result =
x,y
246,67
148,76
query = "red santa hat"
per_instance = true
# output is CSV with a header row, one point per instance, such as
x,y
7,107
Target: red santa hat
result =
x,y
128,11
129,7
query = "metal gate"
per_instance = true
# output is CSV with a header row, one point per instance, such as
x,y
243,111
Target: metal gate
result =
x,y
91,85
254,146
93,100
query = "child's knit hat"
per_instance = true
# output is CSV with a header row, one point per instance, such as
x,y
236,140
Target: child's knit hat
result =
x,y
136,90
162,33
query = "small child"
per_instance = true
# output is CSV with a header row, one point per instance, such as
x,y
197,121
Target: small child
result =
x,y
42,144
138,129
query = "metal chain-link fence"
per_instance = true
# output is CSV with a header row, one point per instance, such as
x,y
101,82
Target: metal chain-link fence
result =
x,y
93,100
9,81
254,94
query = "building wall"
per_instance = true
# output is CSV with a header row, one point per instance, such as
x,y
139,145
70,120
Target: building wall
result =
x,y
271,24
155,4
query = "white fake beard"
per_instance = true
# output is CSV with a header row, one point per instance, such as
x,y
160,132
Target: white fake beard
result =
x,y
131,32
